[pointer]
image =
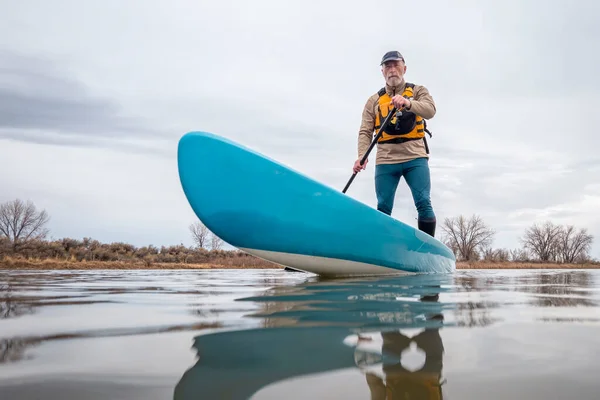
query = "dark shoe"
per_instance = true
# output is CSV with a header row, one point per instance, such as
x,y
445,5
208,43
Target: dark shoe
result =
x,y
427,227
430,297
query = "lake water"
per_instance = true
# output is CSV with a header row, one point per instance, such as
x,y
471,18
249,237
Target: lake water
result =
x,y
272,334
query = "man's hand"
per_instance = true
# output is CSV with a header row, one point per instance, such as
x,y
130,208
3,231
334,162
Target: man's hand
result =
x,y
400,102
357,167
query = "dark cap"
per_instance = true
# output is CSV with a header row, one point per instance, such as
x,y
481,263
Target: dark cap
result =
x,y
391,55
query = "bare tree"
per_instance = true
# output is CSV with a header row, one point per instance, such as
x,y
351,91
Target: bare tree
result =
x,y
5,246
542,240
20,222
573,245
487,254
519,255
502,255
216,243
467,236
199,234
495,255
451,244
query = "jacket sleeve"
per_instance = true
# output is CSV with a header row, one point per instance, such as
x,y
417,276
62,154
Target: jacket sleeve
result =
x,y
423,104
367,126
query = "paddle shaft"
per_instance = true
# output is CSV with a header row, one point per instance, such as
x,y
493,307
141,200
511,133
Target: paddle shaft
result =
x,y
373,143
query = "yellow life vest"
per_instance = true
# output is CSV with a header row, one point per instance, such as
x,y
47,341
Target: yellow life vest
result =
x,y
404,126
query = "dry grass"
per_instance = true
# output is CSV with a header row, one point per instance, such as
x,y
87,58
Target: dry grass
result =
x,y
52,264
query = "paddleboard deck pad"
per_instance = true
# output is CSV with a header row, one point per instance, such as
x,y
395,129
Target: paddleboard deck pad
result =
x,y
274,212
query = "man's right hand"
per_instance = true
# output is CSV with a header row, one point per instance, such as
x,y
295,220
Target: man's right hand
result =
x,y
357,167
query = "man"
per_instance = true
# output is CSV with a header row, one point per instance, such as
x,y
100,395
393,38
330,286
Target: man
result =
x,y
402,150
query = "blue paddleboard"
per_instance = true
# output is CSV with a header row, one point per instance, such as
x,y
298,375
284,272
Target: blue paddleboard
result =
x,y
271,211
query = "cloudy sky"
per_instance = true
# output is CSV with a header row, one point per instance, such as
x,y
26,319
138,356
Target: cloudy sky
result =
x,y
94,97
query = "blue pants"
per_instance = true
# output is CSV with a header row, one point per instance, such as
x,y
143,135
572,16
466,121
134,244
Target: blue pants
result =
x,y
416,173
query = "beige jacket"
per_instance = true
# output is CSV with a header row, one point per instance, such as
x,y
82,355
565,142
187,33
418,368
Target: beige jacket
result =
x,y
389,153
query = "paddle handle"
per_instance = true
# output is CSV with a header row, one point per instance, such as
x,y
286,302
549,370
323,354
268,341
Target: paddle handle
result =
x,y
373,143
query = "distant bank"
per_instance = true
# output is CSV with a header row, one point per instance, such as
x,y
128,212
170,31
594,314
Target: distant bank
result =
x,y
53,264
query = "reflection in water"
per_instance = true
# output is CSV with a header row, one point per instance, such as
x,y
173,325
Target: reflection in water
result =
x,y
545,289
388,329
471,313
398,379
391,302
17,300
323,326
423,337
560,289
12,350
11,307
236,364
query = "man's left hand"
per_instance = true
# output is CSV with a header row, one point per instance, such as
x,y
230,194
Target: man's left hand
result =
x,y
400,102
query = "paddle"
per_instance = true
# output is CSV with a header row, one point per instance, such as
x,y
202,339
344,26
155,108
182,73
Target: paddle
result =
x,y
364,158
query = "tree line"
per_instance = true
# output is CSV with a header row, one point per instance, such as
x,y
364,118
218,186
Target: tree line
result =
x,y
471,239
24,232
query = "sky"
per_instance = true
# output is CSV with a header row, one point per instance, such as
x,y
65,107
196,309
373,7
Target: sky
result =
x,y
94,97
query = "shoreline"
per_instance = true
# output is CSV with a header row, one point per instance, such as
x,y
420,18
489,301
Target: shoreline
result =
x,y
52,264
120,265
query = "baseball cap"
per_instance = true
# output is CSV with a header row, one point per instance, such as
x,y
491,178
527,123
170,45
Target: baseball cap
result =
x,y
391,55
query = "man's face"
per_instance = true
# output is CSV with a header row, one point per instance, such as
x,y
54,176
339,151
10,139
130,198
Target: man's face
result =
x,y
393,71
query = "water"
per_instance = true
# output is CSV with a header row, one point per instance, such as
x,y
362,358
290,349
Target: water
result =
x,y
271,334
